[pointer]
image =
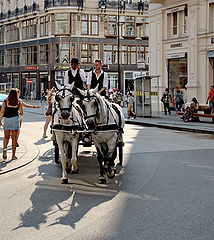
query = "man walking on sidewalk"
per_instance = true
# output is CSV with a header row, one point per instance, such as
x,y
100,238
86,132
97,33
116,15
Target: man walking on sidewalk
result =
x,y
166,99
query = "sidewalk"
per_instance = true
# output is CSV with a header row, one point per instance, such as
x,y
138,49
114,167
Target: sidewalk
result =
x,y
26,154
173,122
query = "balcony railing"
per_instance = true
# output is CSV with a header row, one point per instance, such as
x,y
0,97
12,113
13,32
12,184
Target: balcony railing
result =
x,y
61,3
19,11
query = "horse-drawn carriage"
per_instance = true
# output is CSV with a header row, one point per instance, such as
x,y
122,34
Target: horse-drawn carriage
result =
x,y
86,119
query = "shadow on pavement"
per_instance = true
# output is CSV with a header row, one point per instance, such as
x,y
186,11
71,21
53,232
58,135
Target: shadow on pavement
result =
x,y
54,203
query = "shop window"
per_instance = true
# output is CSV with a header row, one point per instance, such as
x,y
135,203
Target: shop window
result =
x,y
16,80
1,57
62,23
89,52
112,80
177,74
89,25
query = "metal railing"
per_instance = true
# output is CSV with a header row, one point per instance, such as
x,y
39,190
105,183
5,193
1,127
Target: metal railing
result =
x,y
19,11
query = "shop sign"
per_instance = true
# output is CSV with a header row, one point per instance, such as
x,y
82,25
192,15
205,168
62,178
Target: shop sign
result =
x,y
176,45
31,68
175,55
212,40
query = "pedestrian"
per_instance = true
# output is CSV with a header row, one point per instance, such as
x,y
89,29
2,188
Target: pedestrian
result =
x,y
10,111
166,99
210,98
49,112
190,110
43,96
98,76
31,96
130,102
21,116
75,74
179,102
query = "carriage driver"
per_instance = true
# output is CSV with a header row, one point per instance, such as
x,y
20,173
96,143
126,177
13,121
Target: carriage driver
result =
x,y
97,76
75,74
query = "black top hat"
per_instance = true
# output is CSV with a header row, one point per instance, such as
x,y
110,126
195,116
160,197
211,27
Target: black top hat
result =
x,y
75,60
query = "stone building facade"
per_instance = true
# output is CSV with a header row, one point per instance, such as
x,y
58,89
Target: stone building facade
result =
x,y
182,45
38,39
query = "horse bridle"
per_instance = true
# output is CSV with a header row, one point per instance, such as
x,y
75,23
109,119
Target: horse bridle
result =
x,y
58,97
89,97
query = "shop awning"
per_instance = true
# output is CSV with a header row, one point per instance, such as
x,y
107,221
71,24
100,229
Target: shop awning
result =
x,y
176,55
211,54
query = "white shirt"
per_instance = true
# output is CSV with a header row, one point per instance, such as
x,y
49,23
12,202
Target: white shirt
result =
x,y
105,80
74,72
130,99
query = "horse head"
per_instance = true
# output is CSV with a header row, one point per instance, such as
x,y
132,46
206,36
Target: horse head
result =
x,y
64,98
92,105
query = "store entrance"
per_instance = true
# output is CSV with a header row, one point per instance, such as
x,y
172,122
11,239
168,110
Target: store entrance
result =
x,y
177,75
29,90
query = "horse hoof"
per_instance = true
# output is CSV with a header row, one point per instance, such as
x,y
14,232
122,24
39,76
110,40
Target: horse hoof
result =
x,y
112,174
68,170
64,181
118,168
102,181
75,172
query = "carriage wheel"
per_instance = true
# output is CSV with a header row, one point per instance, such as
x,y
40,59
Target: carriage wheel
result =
x,y
56,153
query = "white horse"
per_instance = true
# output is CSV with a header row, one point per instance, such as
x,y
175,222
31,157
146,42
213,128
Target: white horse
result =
x,y
107,121
67,119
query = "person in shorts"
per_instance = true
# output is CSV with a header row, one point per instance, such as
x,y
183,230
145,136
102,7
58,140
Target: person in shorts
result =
x,y
210,99
49,112
10,111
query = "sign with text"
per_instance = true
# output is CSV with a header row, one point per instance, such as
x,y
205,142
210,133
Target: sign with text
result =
x,y
31,68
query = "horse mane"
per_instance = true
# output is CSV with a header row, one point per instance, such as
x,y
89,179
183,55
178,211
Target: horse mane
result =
x,y
102,108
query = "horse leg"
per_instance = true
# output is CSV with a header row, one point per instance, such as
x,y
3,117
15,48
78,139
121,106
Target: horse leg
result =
x,y
64,179
74,144
68,162
101,179
111,156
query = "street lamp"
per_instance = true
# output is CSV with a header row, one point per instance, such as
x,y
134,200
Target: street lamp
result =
x,y
121,7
